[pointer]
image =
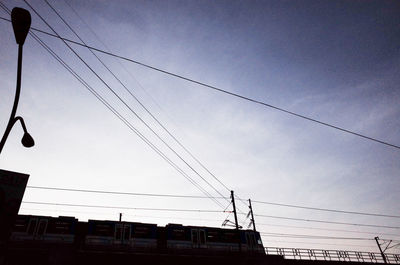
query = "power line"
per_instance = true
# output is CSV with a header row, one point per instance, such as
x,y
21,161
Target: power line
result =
x,y
326,210
313,236
141,104
328,229
202,197
116,94
125,214
124,102
124,193
124,207
198,197
113,110
324,221
314,243
222,90
165,129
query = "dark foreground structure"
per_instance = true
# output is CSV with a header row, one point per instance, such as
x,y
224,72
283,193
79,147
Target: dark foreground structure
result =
x,y
64,240
63,255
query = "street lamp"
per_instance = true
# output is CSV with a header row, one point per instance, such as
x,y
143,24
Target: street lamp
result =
x,y
21,22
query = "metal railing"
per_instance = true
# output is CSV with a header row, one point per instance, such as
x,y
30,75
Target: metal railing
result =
x,y
332,255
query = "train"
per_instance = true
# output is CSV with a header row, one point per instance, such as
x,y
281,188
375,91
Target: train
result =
x,y
107,235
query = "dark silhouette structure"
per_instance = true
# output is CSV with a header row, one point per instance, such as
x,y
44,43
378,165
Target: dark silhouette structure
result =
x,y
21,22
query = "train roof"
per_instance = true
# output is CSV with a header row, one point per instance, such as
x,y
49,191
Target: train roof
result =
x,y
129,222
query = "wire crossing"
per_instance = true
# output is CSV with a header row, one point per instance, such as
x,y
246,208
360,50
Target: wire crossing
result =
x,y
113,92
205,197
259,102
113,110
142,105
157,120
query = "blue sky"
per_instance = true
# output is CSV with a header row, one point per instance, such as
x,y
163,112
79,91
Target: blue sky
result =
x,y
336,61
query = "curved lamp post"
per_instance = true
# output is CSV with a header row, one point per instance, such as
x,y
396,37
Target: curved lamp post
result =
x,y
21,22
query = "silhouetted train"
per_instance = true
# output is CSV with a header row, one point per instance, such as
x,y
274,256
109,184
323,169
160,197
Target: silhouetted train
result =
x,y
133,236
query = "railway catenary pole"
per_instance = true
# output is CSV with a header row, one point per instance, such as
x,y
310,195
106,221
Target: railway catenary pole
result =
x,y
380,249
252,216
236,220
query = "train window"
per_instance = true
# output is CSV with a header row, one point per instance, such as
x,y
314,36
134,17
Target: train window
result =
x,y
118,232
212,236
142,231
127,232
59,227
21,225
178,234
32,226
195,239
229,237
42,227
202,237
100,229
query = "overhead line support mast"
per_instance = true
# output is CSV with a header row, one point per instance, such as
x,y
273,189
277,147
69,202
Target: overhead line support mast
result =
x,y
252,217
236,220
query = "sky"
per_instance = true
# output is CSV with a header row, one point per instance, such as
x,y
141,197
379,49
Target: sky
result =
x,y
334,61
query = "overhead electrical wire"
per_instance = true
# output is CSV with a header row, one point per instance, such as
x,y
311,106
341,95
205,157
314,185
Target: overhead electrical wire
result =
x,y
123,101
157,120
313,236
327,229
204,197
336,210
113,91
222,90
121,57
197,197
140,103
325,221
117,60
124,214
125,193
115,112
124,207
149,112
311,243
325,209
205,219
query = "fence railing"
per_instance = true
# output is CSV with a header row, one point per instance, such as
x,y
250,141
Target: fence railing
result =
x,y
332,255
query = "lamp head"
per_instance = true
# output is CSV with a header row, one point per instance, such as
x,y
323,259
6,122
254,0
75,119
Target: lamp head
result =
x,y
21,22
27,140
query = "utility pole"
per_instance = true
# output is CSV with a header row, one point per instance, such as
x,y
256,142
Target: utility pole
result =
x,y
380,249
120,217
252,217
236,220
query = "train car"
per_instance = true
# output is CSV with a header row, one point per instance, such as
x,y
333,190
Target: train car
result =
x,y
208,239
44,229
134,236
178,237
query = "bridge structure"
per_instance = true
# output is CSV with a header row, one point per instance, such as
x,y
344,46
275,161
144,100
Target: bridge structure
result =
x,y
332,255
45,254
